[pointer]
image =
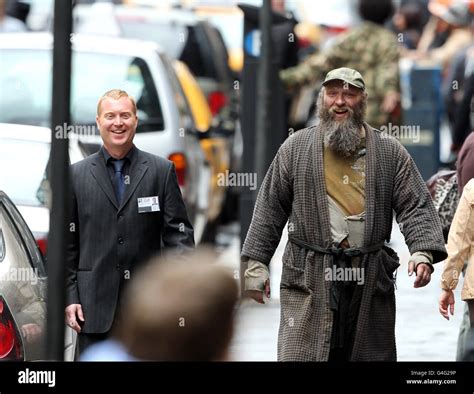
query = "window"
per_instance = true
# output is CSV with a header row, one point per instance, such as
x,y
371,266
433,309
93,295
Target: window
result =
x,y
25,97
25,184
2,246
179,95
20,248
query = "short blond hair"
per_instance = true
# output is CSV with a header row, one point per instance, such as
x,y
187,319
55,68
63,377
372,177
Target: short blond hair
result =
x,y
116,94
179,309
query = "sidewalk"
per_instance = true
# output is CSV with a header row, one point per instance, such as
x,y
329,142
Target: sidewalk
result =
x,y
421,333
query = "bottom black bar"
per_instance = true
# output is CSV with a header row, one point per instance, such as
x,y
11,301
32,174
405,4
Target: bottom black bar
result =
x,y
436,377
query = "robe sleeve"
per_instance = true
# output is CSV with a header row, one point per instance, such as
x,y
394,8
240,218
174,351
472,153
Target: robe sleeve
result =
x,y
271,211
414,209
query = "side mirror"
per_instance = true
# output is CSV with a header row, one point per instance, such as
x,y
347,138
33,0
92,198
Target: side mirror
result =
x,y
222,129
202,135
199,134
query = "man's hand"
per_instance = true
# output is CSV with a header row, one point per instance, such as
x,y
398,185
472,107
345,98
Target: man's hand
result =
x,y
446,299
423,273
258,295
72,312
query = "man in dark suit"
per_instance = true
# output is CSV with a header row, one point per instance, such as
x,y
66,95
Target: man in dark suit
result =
x,y
127,206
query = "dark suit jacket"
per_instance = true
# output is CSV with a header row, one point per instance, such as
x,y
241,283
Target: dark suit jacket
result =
x,y
108,242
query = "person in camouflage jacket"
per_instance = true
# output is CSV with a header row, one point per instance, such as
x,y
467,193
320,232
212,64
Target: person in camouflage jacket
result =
x,y
370,48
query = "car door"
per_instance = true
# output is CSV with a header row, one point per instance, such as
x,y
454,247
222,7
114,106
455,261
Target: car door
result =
x,y
199,172
22,288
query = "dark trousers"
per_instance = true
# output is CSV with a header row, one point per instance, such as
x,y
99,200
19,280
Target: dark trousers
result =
x,y
338,355
470,304
86,340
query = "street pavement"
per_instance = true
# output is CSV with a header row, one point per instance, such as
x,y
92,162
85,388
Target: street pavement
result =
x,y
422,334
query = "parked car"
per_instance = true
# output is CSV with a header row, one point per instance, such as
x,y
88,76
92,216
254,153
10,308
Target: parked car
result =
x,y
100,64
230,22
214,144
24,156
24,151
180,33
22,288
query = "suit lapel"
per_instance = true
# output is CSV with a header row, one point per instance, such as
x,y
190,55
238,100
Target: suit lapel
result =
x,y
137,171
99,172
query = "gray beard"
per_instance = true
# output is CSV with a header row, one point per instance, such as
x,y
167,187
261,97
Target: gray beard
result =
x,y
342,137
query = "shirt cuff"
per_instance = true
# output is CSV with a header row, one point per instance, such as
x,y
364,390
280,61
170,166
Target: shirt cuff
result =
x,y
449,284
424,257
256,275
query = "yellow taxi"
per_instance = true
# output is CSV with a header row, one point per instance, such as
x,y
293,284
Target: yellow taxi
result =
x,y
216,148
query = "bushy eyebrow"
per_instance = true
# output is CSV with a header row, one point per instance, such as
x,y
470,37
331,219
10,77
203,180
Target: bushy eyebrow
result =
x,y
337,89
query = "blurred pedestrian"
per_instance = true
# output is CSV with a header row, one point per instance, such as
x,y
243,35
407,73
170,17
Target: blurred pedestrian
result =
x,y
465,162
446,33
8,24
460,249
465,172
337,184
126,207
370,48
174,311
407,24
285,50
459,96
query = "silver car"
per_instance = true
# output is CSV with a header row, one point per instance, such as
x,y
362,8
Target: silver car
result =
x,y
22,289
24,156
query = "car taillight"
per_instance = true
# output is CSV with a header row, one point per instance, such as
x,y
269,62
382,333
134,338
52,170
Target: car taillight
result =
x,y
303,42
10,341
180,164
335,29
216,101
42,241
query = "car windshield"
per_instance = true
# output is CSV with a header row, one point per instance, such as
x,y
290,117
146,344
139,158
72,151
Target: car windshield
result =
x,y
171,36
25,181
25,96
2,246
231,27
178,42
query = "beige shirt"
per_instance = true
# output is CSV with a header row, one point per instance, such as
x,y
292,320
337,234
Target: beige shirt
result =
x,y
461,246
345,180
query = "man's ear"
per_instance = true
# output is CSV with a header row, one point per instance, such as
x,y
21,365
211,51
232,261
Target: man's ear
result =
x,y
97,122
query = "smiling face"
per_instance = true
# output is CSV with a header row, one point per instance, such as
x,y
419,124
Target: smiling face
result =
x,y
341,110
117,123
341,99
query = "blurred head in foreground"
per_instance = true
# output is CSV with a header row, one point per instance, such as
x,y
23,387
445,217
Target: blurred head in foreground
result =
x,y
177,310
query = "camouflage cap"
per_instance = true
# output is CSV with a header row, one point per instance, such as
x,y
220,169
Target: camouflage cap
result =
x,y
345,74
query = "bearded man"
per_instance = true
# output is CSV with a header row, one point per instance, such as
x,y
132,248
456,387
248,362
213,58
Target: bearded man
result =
x,y
338,184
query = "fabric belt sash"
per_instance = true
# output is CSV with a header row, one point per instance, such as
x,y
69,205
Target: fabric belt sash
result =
x,y
337,252
340,259
344,295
